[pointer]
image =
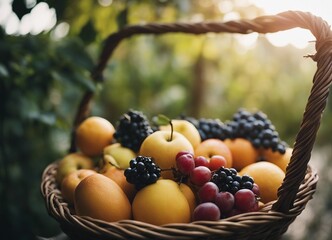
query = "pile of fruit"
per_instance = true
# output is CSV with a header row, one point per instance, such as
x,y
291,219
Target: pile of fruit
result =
x,y
176,171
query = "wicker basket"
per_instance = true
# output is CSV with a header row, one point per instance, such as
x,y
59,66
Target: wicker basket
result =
x,y
298,186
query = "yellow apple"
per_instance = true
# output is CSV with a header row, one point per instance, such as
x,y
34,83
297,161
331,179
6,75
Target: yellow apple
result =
x,y
186,128
70,182
71,163
161,203
118,155
190,196
163,149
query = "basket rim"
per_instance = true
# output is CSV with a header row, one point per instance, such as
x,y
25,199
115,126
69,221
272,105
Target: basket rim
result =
x,y
64,214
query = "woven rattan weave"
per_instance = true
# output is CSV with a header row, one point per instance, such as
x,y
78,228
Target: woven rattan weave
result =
x,y
298,186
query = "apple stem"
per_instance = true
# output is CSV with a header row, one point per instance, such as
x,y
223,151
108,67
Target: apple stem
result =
x,y
170,122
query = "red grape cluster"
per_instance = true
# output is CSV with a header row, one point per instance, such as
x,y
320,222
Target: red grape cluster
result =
x,y
198,169
223,204
215,204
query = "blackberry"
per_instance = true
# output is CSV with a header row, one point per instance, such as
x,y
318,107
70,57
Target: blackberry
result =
x,y
209,128
133,127
142,172
212,128
257,128
228,180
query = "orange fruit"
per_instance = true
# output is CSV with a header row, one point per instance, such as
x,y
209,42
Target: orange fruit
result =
x,y
161,203
93,135
117,175
70,182
281,160
101,198
267,176
243,152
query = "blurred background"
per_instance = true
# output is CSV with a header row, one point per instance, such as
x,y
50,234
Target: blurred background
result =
x,y
48,48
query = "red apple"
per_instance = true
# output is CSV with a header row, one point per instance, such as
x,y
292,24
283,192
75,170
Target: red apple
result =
x,y
211,147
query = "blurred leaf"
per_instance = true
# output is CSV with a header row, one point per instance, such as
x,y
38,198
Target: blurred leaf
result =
x,y
161,120
45,118
88,33
3,71
122,18
85,81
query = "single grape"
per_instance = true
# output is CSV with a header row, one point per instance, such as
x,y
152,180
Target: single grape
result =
x,y
216,162
208,192
225,201
200,175
182,153
207,211
201,161
245,200
247,185
185,163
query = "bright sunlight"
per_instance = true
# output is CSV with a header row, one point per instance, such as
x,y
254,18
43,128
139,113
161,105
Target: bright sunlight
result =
x,y
42,18
299,38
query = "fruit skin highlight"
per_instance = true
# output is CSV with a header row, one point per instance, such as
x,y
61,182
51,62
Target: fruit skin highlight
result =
x,y
163,150
161,203
93,135
99,197
267,176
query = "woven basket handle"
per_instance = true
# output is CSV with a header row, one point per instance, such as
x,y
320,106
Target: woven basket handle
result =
x,y
306,136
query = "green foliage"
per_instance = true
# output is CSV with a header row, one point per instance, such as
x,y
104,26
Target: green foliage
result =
x,y
36,116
